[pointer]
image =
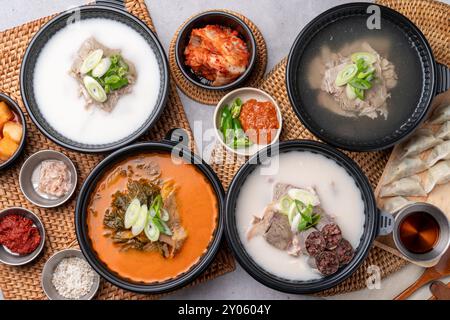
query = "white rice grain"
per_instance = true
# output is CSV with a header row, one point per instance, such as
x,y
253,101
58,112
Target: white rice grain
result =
x,y
73,278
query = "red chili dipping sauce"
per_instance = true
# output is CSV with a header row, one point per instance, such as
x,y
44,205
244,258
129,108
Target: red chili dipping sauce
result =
x,y
259,120
18,234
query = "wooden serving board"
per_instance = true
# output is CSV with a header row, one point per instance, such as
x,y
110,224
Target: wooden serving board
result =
x,y
438,196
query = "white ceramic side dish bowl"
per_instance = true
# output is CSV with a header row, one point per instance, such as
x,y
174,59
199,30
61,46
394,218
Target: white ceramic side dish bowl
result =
x,y
246,94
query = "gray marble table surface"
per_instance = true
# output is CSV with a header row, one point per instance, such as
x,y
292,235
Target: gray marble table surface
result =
x,y
280,22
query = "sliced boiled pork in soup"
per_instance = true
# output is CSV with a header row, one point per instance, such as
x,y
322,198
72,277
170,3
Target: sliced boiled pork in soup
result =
x,y
299,229
115,114
373,103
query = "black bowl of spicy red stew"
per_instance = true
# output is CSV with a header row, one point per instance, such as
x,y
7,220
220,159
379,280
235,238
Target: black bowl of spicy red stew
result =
x,y
174,144
227,23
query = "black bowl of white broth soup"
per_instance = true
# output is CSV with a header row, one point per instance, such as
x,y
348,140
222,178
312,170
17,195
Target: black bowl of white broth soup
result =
x,y
361,77
302,217
94,78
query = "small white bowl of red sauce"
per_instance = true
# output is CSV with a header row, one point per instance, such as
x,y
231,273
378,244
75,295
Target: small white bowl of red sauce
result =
x,y
247,120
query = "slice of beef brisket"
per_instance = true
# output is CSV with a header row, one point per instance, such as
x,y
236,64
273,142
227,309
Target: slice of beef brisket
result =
x,y
279,232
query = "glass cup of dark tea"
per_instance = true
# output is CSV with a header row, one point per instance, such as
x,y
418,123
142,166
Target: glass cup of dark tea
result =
x,y
421,232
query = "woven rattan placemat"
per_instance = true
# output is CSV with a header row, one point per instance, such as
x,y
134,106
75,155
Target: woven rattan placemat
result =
x,y
24,282
212,97
433,19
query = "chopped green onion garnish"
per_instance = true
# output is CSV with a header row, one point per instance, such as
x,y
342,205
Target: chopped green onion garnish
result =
x,y
360,79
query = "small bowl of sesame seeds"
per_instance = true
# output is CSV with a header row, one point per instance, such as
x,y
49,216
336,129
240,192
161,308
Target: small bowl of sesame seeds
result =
x,y
68,276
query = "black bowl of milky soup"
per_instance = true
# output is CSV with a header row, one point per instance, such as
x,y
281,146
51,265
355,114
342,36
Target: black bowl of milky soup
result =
x,y
361,77
301,218
94,78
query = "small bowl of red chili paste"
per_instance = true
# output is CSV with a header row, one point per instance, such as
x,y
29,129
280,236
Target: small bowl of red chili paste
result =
x,y
247,120
22,236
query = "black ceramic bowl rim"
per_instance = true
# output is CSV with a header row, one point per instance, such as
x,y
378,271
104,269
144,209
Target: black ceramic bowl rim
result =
x,y
152,118
187,29
81,227
429,81
311,286
16,109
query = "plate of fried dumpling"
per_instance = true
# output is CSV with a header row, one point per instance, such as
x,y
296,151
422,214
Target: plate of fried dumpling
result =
x,y
420,164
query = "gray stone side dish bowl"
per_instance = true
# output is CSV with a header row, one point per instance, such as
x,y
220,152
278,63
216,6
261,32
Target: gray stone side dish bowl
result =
x,y
433,78
49,268
112,12
214,18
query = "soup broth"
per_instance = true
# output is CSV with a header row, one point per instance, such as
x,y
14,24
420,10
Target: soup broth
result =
x,y
198,212
58,94
390,43
339,197
419,232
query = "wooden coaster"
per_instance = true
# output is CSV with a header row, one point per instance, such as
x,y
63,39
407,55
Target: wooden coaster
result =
x,y
212,97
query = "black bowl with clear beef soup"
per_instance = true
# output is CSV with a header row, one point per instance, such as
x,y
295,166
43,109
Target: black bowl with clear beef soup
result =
x,y
362,89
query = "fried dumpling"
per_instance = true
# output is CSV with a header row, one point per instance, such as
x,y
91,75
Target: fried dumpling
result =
x,y
439,152
438,174
406,187
441,115
444,131
406,167
395,203
421,141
